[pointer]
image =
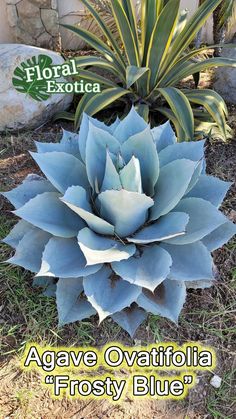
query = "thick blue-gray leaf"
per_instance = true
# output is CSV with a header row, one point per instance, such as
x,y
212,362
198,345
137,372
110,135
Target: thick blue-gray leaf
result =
x,y
111,178
130,319
130,176
199,284
170,225
171,186
220,236
167,300
68,144
30,249
76,199
50,291
142,146
190,263
127,211
98,142
63,258
17,233
70,306
43,281
163,136
147,270
185,150
203,219
32,186
97,249
62,169
114,125
109,294
47,212
132,124
196,175
211,189
84,129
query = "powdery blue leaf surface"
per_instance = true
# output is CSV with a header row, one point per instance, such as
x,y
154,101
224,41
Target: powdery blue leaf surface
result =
x,y
131,125
98,142
108,294
130,319
43,281
220,236
84,129
130,176
47,212
98,249
76,199
171,186
170,225
203,219
50,291
62,169
70,306
68,144
111,178
196,175
186,150
211,189
148,270
17,233
32,186
163,136
190,263
199,284
167,300
63,258
142,147
30,249
127,211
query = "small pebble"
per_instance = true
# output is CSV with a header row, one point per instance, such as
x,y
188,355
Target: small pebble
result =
x,y
216,381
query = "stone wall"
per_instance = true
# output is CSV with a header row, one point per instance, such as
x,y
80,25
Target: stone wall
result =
x,y
34,22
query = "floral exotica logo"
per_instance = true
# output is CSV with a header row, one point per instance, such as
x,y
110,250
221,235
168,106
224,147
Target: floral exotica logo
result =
x,y
39,78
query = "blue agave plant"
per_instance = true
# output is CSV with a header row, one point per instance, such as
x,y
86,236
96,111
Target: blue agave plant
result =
x,y
126,218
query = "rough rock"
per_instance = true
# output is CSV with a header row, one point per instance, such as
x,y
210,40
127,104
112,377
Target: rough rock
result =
x,y
216,381
12,15
225,80
17,110
42,3
27,9
50,20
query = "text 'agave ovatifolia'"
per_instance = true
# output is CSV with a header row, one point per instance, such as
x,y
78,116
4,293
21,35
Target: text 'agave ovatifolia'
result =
x,y
126,219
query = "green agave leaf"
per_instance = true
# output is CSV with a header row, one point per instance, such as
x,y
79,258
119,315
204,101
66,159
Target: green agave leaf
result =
x,y
134,73
97,44
93,61
37,89
105,29
93,103
184,39
161,39
213,103
181,108
126,33
150,11
68,116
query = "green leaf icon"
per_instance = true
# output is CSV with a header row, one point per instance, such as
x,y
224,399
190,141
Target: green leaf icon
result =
x,y
37,89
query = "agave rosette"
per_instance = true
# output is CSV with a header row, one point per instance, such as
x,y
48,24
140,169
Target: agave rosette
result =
x,y
125,220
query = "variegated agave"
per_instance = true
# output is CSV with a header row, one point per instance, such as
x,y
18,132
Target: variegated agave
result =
x,y
126,219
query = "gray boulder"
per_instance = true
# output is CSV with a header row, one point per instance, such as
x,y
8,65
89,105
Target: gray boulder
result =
x,y
225,79
18,110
